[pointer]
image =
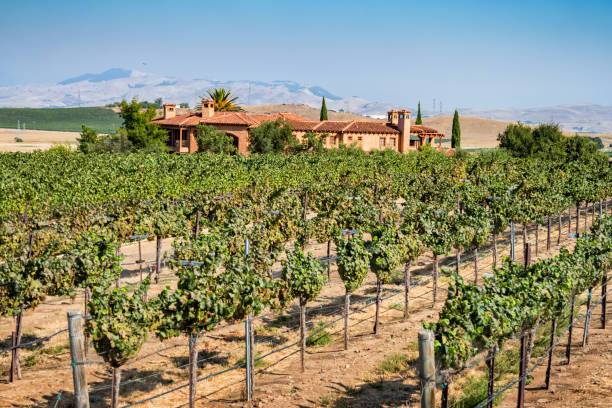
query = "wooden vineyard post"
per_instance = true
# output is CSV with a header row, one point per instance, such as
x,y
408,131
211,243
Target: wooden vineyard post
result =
x,y
527,255
577,218
491,366
512,243
569,221
86,314
553,332
560,227
476,265
158,258
435,280
247,359
115,387
520,402
568,350
15,373
407,289
378,301
524,242
457,260
495,249
548,234
585,333
197,226
328,259
586,218
193,368
347,306
77,358
249,340
302,333
140,259
604,300
305,207
427,369
537,238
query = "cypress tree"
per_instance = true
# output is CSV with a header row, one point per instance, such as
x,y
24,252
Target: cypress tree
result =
x,y
456,133
323,111
419,120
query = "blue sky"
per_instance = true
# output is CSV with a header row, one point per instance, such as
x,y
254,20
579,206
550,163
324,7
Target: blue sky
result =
x,y
482,54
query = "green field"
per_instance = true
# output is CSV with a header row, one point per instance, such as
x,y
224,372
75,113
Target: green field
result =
x,y
60,119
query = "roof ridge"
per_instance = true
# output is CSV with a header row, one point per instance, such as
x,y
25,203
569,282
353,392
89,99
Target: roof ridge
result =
x,y
351,123
321,122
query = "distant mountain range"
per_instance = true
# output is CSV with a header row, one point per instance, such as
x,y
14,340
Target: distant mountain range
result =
x,y
117,83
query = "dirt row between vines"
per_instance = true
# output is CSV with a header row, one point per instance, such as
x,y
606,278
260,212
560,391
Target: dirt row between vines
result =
x,y
332,375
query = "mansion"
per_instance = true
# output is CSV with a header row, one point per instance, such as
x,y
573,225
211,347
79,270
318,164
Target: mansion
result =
x,y
397,133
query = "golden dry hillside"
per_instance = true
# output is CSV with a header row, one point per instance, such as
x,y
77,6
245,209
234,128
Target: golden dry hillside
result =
x,y
475,132
306,111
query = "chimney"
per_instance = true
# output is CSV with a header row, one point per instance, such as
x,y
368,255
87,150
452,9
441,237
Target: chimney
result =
x,y
169,110
208,108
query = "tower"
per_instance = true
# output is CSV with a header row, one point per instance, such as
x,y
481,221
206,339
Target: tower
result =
x,y
401,119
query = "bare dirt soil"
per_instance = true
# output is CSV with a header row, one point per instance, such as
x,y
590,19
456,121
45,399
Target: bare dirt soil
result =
x,y
333,377
585,382
34,139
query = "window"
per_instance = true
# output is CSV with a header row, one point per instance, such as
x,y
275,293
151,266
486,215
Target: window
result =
x,y
382,141
412,142
360,138
350,138
392,142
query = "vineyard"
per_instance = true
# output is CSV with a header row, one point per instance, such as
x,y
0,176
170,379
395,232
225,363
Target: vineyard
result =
x,y
198,277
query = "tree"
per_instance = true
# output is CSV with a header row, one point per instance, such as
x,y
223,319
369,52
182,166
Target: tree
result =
x,y
303,278
548,142
184,105
224,101
272,137
210,139
89,137
140,131
456,132
323,115
419,119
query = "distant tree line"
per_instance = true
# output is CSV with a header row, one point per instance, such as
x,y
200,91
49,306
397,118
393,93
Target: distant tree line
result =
x,y
547,141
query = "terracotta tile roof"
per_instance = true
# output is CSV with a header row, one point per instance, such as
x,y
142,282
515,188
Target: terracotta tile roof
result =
x,y
297,123
226,118
302,125
424,131
372,127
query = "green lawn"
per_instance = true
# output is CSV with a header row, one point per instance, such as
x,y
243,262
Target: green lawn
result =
x,y
60,119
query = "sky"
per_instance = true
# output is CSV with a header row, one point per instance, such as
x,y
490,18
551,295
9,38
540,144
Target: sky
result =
x,y
467,54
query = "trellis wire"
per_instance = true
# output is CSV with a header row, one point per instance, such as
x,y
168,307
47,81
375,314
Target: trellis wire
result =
x,y
539,361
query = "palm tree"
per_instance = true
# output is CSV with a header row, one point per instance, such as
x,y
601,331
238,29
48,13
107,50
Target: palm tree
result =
x,y
224,101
